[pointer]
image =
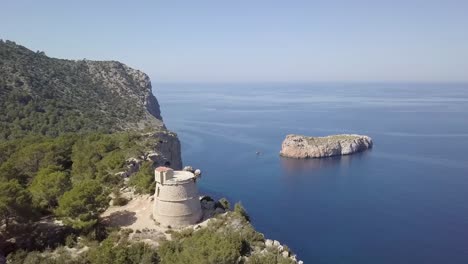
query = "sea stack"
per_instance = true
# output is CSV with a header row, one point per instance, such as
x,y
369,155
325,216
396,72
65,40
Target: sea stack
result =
x,y
301,147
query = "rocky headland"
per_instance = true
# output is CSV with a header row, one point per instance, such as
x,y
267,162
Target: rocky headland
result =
x,y
301,147
78,143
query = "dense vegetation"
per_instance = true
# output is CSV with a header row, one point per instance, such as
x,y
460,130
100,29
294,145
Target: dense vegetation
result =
x,y
47,96
227,239
69,176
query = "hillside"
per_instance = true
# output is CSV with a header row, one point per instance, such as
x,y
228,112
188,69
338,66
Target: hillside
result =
x,y
46,96
51,96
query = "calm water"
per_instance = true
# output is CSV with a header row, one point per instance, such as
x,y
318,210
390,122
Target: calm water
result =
x,y
405,201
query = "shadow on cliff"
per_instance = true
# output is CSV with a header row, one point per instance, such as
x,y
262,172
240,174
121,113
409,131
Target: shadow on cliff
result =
x,y
121,218
294,166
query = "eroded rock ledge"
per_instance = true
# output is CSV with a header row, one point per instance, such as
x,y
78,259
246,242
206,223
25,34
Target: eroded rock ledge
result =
x,y
299,146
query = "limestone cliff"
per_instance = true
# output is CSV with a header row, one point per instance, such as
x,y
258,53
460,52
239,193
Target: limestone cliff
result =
x,y
298,146
49,96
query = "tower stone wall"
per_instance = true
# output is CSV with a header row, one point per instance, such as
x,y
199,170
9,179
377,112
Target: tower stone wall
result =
x,y
176,198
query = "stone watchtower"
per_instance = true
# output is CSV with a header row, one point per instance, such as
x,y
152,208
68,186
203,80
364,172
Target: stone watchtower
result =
x,y
176,200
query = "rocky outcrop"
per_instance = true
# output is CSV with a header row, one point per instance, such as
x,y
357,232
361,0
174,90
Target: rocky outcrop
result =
x,y
131,84
298,146
167,150
275,246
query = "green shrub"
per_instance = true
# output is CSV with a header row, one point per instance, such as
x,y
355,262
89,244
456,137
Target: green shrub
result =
x,y
118,199
118,250
15,203
143,180
70,241
269,258
48,186
184,233
81,206
224,203
239,209
204,246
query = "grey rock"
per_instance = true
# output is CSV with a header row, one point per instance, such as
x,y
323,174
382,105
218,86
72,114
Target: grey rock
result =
x,y
219,211
208,205
168,149
294,258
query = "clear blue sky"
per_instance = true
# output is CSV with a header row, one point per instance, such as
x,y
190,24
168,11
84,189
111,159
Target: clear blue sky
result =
x,y
242,41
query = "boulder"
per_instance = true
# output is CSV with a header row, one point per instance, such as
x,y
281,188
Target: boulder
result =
x,y
188,168
208,205
152,156
219,210
122,174
269,243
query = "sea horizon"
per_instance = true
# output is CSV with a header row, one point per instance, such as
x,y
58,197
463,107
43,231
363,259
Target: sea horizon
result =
x,y
352,207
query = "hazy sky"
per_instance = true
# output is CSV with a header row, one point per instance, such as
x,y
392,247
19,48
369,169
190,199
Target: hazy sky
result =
x,y
244,41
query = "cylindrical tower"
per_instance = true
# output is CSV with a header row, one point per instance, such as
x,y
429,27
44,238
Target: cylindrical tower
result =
x,y
176,199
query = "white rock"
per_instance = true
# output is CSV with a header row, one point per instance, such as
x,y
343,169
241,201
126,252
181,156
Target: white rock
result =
x,y
219,211
276,243
133,161
122,174
294,258
188,168
197,172
269,243
285,254
152,156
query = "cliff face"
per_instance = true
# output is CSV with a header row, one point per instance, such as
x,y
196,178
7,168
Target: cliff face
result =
x,y
133,86
49,96
298,146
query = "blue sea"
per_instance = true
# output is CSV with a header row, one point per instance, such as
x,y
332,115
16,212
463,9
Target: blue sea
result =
x,y
404,201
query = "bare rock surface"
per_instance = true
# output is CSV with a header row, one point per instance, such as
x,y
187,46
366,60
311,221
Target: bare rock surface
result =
x,y
299,146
